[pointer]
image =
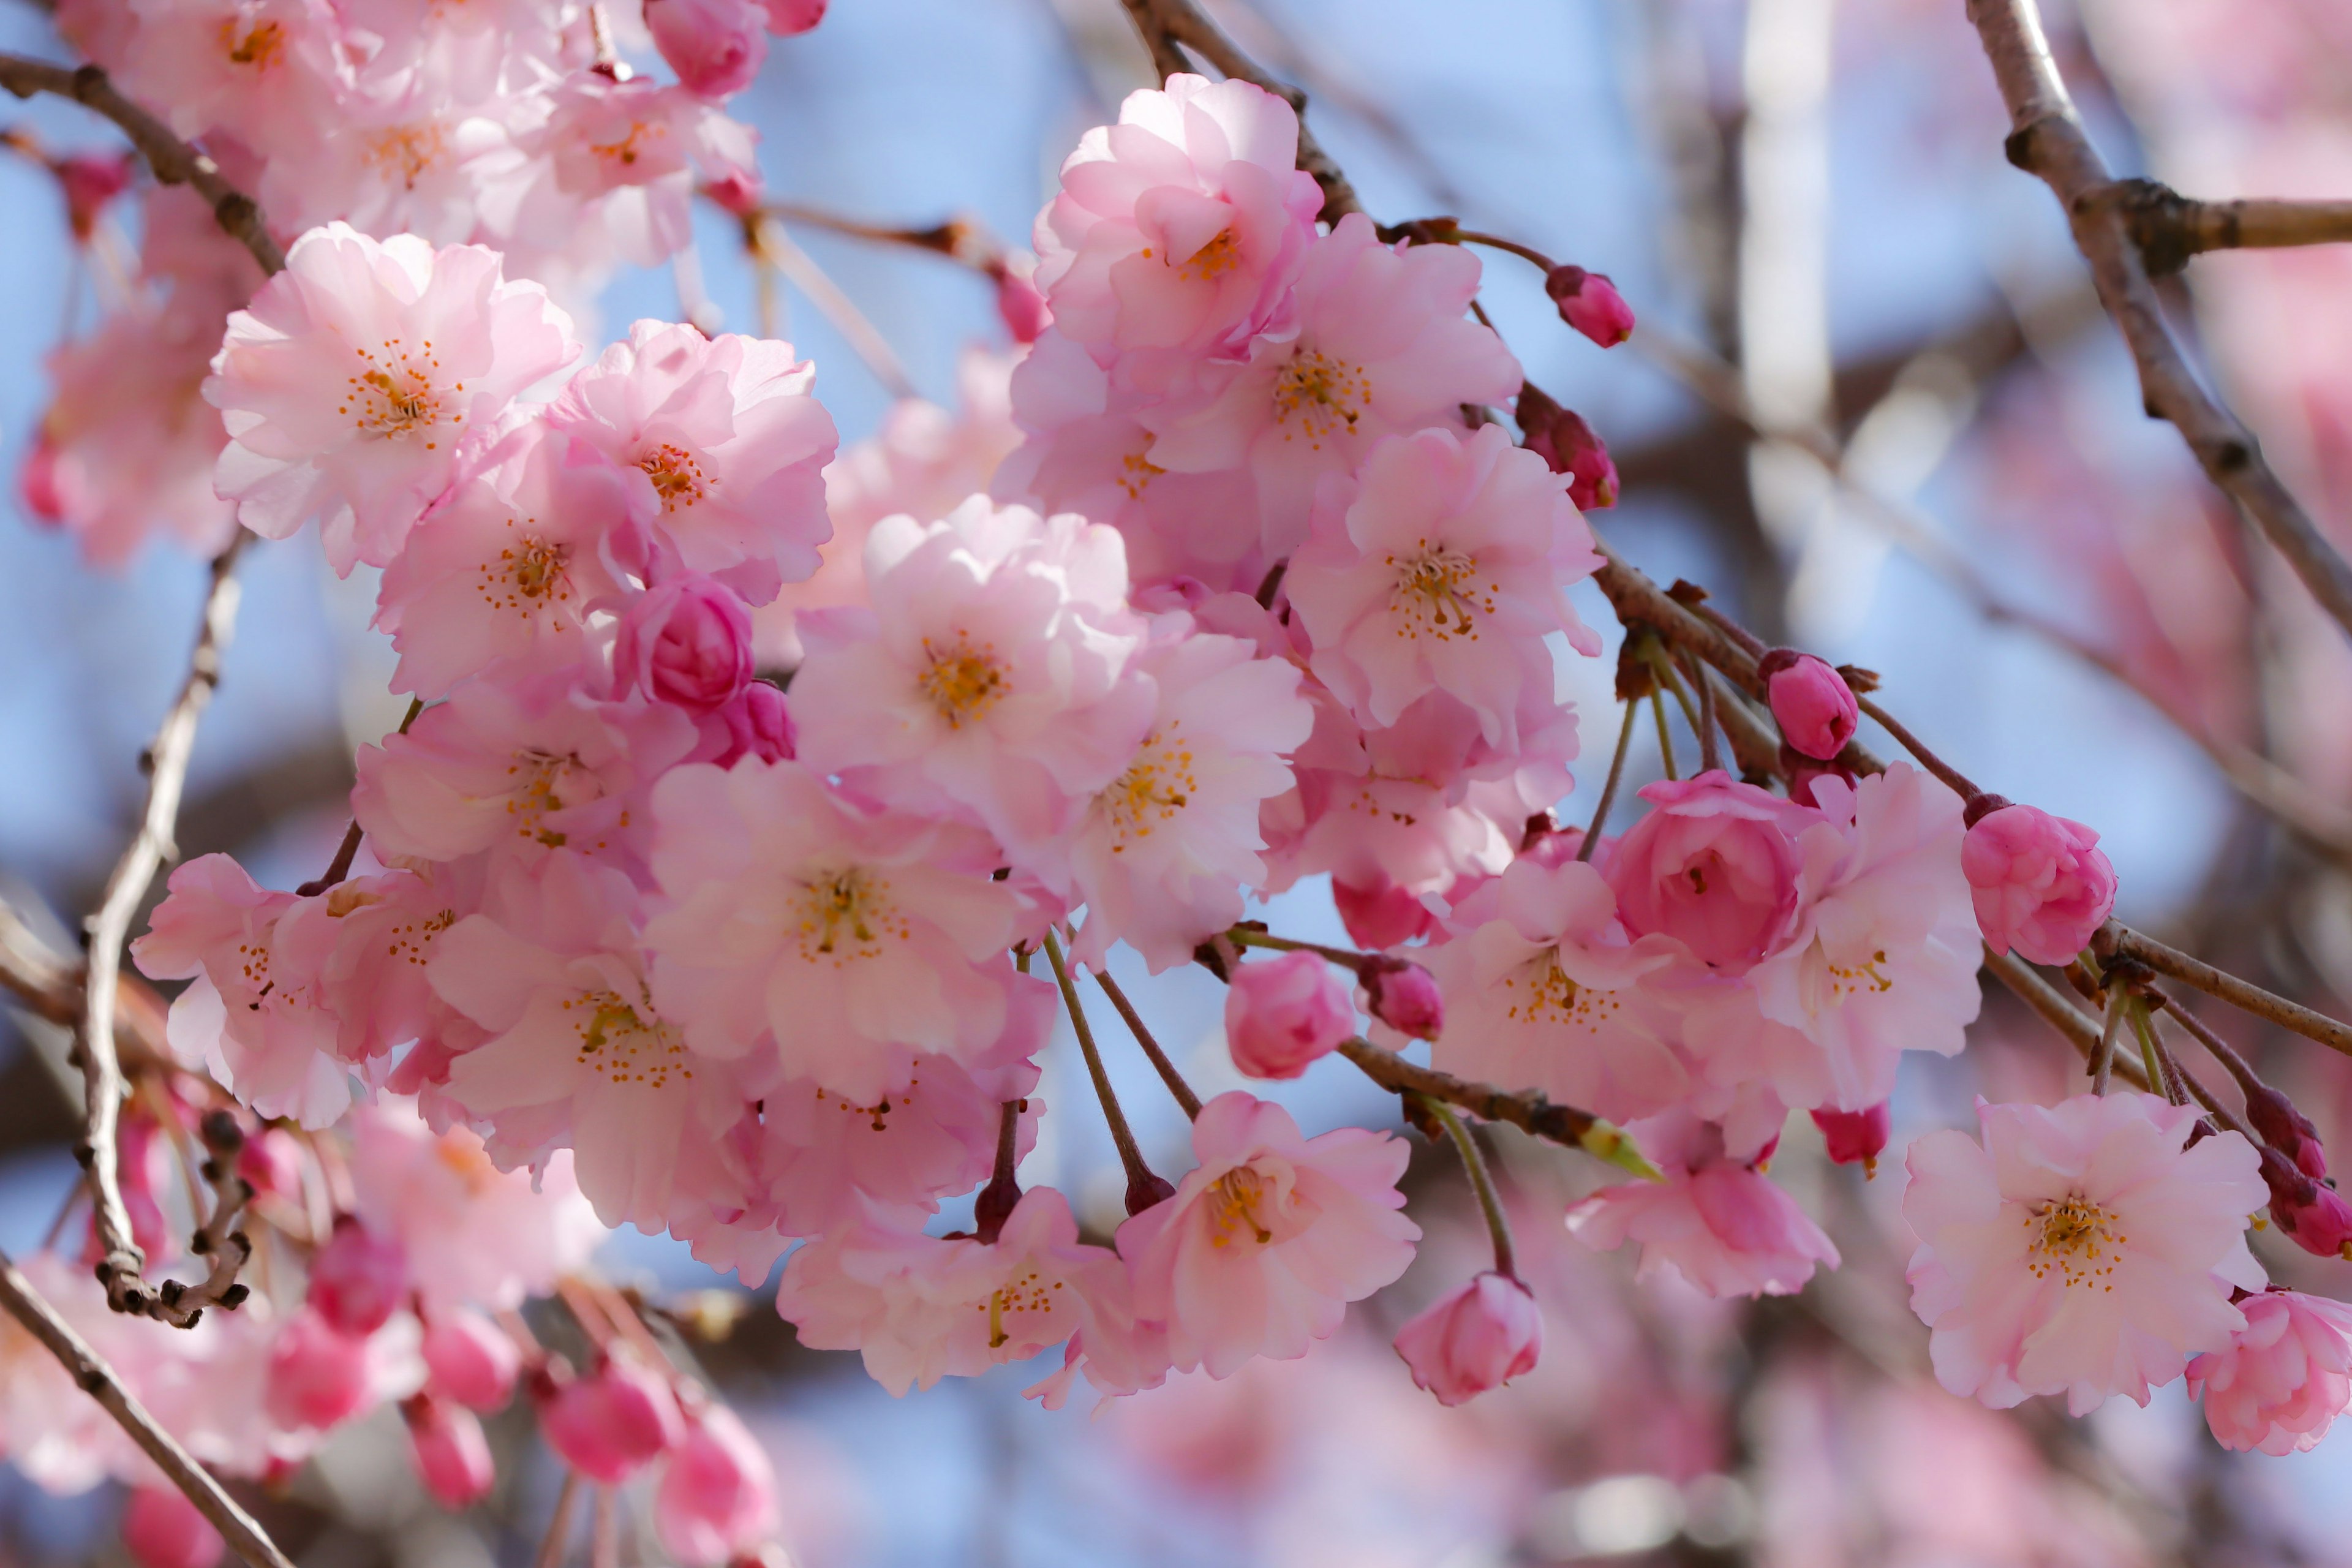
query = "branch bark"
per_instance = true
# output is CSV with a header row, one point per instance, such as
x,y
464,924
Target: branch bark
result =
x,y
2170,228
1529,1110
2047,140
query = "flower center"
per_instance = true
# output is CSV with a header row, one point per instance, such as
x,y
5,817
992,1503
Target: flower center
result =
x,y
623,1044
261,45
1438,594
677,479
1158,784
876,1116
625,152
1027,1292
1319,396
393,392
527,575
1541,991
544,784
405,152
960,683
1136,473
1219,257
2072,1235
847,914
1232,1200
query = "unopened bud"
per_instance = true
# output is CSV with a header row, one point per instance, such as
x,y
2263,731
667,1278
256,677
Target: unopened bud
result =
x,y
1811,701
1571,446
2312,1213
1403,996
1591,303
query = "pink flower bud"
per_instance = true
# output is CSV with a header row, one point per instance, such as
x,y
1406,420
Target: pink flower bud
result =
x,y
1591,303
715,45
37,482
272,1160
471,1358
1482,1336
1382,915
318,1375
2275,1120
1855,1135
1024,308
686,641
757,724
453,1457
1285,1012
788,17
358,1279
2284,1378
1811,701
1563,440
91,182
736,191
608,1424
2311,1213
1404,997
2041,885
718,1499
162,1528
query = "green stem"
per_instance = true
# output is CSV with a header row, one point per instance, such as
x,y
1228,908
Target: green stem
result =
x,y
1244,936
1665,741
1482,1182
1608,789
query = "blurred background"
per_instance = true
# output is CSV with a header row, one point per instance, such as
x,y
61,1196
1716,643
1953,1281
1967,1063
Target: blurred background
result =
x,y
1806,203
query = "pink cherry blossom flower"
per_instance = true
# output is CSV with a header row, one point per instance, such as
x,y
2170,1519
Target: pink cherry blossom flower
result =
x,y
686,642
2041,884
256,1015
470,1360
162,1528
1714,866
265,71
610,1423
1382,347
1163,851
1811,701
578,1052
619,158
994,671
717,1501
1544,987
358,1279
854,938
451,1453
725,441
1179,227
1591,303
1445,573
1718,1221
348,383
922,1308
318,1373
1479,1337
715,45
527,770
2086,1248
756,723
1269,1238
1403,996
2284,1378
1284,1013
509,567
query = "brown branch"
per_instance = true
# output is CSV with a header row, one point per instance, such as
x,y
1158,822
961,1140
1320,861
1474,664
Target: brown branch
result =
x,y
2047,140
120,1260
2081,1029
2170,228
218,1238
2114,941
1165,24
97,1380
174,162
1529,1110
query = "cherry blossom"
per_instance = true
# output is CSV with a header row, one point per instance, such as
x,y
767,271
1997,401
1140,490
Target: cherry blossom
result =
x,y
716,1500
1284,1013
2087,1249
2283,1379
1811,701
451,1452
1477,1338
2040,883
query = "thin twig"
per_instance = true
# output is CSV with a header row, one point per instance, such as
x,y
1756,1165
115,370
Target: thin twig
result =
x,y
348,850
97,1380
1143,1187
1584,851
2080,1031
1482,1182
1251,936
2121,942
552,1544
1529,1110
219,1237
2170,228
1160,1062
120,1260
2104,1061
864,337
2047,140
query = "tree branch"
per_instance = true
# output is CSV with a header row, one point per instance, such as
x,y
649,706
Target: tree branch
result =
x,y
2170,228
1529,1110
2047,141
174,162
97,1380
2116,941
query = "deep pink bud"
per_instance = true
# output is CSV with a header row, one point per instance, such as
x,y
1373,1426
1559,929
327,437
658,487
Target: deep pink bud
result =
x,y
471,1358
718,1499
787,17
453,1457
1382,915
1811,701
272,1160
92,182
2312,1213
715,45
608,1424
1591,303
1562,439
1855,1135
318,1373
757,724
1283,1013
2275,1120
737,191
1025,312
686,641
1404,997
2041,885
162,1528
1482,1336
359,1279
37,481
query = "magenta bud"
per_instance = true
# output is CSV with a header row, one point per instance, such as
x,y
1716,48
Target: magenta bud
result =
x,y
607,1424
686,641
2039,883
1382,915
162,1528
452,1455
787,18
1480,1337
1562,439
318,1375
471,1358
718,1497
1024,308
359,1279
1591,303
1403,996
272,1160
92,182
758,723
1811,701
2274,1116
2311,1213
1854,1136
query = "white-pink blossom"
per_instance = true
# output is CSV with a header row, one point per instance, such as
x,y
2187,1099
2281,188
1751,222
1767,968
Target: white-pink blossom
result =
x,y
2283,1379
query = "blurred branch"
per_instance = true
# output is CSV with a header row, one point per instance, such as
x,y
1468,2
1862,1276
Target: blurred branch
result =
x,y
2047,140
97,1380
770,246
2170,228
174,162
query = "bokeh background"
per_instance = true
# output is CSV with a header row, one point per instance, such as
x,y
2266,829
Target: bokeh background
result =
x,y
1808,201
